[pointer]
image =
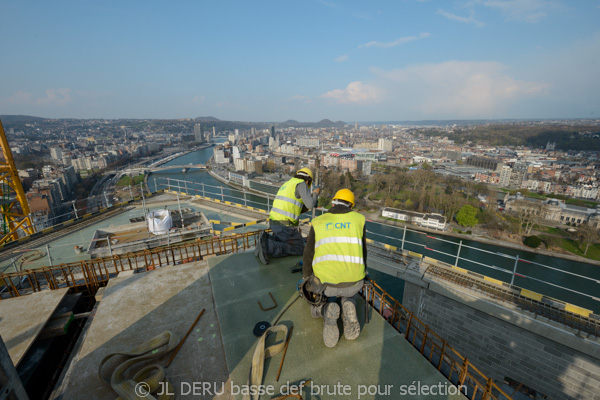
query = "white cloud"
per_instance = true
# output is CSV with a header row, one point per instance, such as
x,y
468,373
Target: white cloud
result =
x,y
468,20
522,10
20,98
458,88
356,92
53,97
397,42
198,99
342,58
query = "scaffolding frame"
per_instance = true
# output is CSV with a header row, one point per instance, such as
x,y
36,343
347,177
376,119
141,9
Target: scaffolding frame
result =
x,y
14,209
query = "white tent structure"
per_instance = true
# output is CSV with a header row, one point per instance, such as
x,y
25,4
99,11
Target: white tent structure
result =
x,y
159,222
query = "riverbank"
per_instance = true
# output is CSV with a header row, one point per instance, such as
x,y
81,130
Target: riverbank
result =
x,y
376,217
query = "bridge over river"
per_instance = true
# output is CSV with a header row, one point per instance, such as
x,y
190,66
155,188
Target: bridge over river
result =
x,y
164,168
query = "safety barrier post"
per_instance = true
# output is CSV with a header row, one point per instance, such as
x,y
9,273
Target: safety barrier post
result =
x,y
408,325
48,253
488,389
512,278
442,355
403,236
180,213
186,188
245,205
458,254
463,372
424,339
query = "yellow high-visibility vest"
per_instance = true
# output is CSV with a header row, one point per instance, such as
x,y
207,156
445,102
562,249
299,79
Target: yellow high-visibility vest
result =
x,y
286,206
339,247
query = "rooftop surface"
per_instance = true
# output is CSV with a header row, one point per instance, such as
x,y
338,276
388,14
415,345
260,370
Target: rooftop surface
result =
x,y
219,350
19,326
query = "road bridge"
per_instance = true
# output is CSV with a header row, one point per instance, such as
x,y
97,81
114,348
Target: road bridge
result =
x,y
163,168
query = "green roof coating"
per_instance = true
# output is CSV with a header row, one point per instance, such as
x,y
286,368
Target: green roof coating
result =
x,y
379,364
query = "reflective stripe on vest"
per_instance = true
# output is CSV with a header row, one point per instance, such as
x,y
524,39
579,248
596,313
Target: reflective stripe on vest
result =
x,y
339,247
286,206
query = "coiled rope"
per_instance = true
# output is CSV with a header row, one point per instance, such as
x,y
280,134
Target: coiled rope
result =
x,y
148,379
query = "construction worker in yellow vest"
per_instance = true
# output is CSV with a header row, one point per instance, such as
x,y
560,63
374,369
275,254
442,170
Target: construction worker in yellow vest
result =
x,y
334,263
293,198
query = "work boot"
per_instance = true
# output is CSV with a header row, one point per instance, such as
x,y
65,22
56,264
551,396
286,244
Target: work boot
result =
x,y
331,334
262,249
257,247
316,312
261,238
351,325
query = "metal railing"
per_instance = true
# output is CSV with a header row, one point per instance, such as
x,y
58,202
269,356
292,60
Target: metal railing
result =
x,y
91,274
469,380
219,193
254,200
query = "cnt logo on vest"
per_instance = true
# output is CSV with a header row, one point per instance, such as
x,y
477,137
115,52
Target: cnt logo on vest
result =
x,y
338,225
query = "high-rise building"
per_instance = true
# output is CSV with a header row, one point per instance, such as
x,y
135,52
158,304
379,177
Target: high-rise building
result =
x,y
272,131
198,133
56,153
386,145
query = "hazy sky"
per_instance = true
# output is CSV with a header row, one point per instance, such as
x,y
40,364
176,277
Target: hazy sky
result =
x,y
256,60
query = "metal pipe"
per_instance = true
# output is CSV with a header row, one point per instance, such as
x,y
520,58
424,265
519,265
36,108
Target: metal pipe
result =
x,y
184,338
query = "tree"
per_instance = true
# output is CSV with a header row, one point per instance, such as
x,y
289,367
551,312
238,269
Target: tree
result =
x,y
378,181
529,214
532,241
452,184
466,216
587,235
482,189
451,204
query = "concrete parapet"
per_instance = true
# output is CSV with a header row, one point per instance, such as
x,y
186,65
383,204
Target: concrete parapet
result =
x,y
505,341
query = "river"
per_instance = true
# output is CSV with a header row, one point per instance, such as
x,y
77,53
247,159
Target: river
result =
x,y
555,277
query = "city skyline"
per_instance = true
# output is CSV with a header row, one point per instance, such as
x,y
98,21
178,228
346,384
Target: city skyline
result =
x,y
275,61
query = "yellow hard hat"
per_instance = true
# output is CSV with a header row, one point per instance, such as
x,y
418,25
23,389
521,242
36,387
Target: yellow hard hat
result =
x,y
305,171
346,195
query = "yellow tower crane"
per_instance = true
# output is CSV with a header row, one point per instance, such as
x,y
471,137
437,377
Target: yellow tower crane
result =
x,y
14,209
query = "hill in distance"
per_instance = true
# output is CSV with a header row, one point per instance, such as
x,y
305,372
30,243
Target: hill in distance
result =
x,y
21,119
207,119
324,123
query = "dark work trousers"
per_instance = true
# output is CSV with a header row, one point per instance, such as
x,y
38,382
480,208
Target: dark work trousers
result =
x,y
285,241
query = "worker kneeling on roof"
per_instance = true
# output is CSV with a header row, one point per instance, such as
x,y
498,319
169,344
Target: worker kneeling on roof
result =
x,y
293,198
334,266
